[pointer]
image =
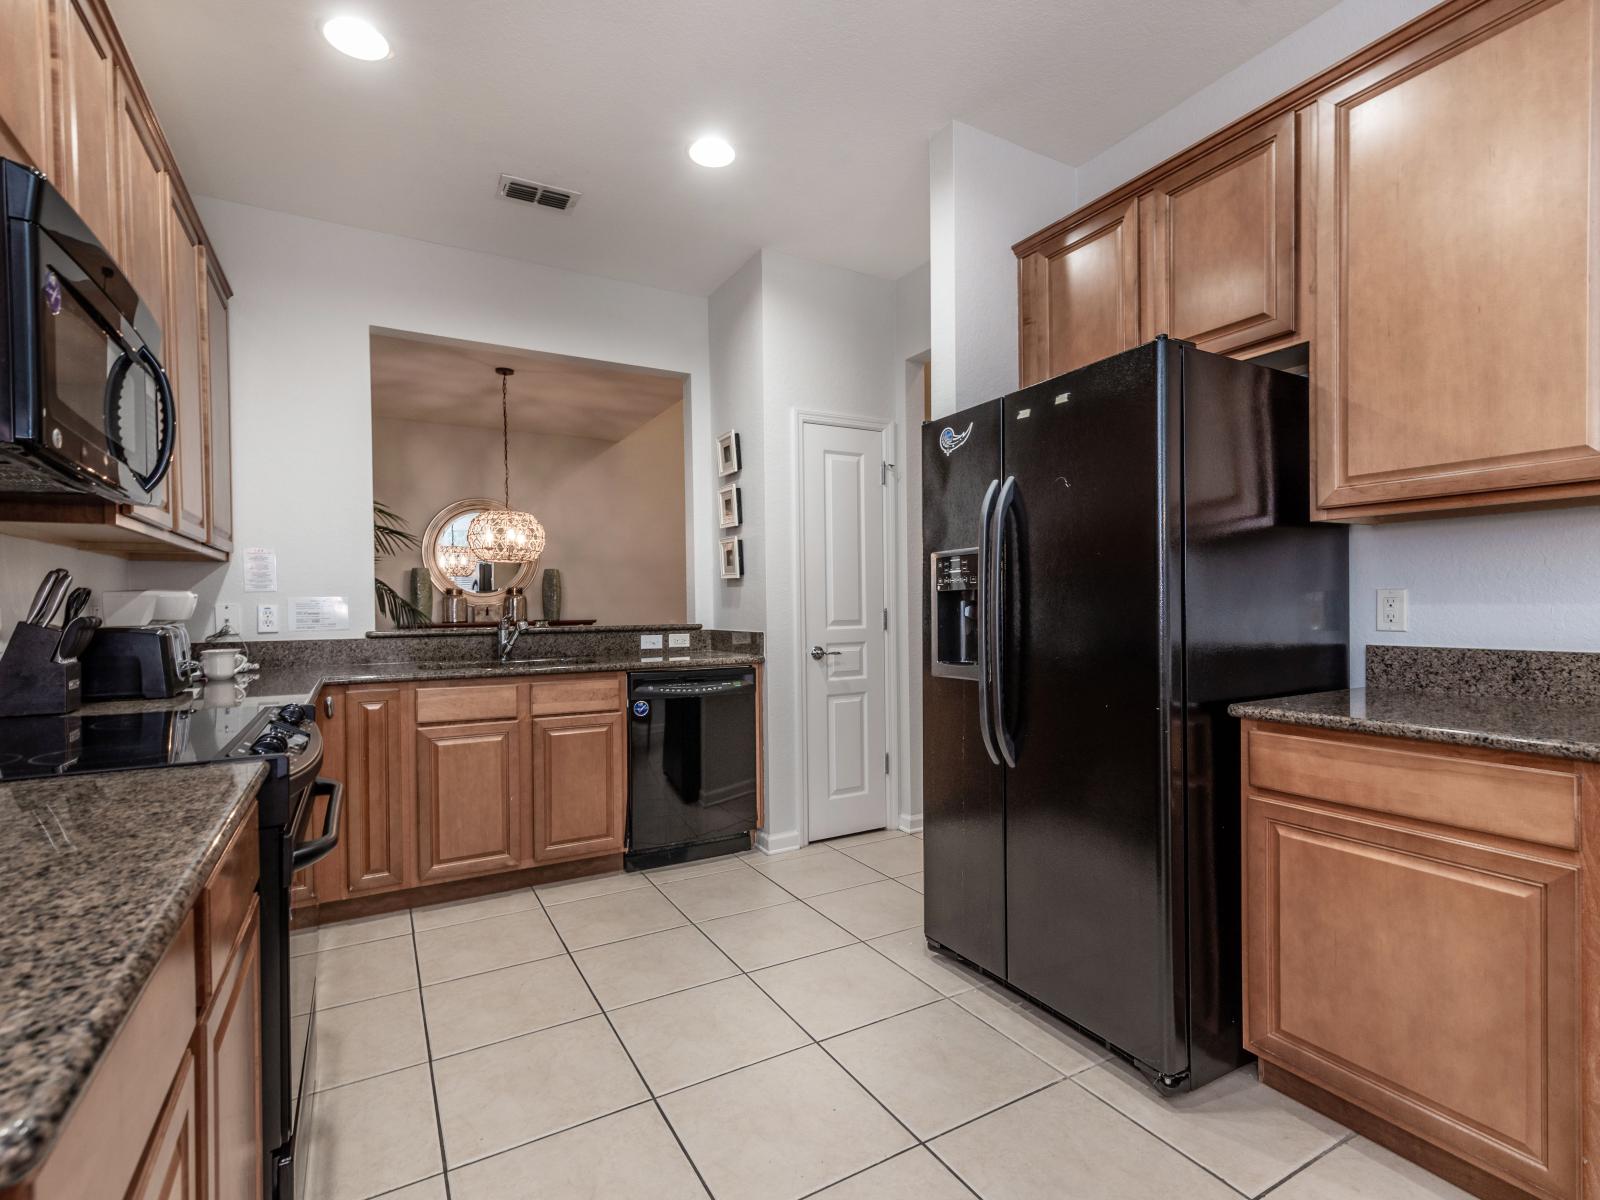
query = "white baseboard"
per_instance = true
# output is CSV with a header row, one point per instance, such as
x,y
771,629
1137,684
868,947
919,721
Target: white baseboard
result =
x,y
776,843
911,822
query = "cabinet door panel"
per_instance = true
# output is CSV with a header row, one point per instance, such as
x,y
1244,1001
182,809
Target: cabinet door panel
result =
x,y
232,1057
173,1167
580,786
378,787
1080,295
1455,219
85,153
186,285
141,203
25,95
1432,981
219,405
469,799
1222,267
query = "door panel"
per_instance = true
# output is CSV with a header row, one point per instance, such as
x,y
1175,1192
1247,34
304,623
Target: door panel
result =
x,y
85,156
469,799
186,282
378,787
580,786
173,1168
1080,295
219,406
1223,240
232,1075
963,794
25,96
1456,220
1431,980
1084,659
142,196
845,589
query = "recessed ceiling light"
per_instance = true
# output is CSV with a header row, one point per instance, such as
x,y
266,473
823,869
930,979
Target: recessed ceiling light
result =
x,y
711,152
355,37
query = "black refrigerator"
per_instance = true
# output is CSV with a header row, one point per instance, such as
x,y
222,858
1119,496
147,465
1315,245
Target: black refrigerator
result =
x,y
1113,557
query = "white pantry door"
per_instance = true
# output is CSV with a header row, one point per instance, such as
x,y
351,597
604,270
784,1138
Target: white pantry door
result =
x,y
846,662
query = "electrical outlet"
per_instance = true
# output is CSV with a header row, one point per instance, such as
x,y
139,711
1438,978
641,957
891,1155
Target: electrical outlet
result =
x,y
227,617
1392,610
267,618
649,641
678,641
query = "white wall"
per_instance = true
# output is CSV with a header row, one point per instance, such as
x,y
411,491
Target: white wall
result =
x,y
913,337
23,564
985,194
307,295
736,404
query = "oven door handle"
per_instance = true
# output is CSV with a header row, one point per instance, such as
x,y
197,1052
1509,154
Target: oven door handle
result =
x,y
320,848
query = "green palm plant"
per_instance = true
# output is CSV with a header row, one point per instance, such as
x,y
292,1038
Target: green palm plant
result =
x,y
389,537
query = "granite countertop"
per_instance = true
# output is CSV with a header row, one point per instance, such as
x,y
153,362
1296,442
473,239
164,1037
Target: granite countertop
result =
x,y
305,680
98,873
1564,728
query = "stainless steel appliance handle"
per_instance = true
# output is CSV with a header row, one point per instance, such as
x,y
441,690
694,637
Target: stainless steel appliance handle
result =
x,y
320,848
985,721
997,691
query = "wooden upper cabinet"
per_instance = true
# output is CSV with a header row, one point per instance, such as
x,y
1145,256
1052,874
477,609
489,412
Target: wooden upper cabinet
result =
x,y
26,97
1080,294
469,799
1427,976
1456,221
85,153
580,786
141,203
1221,269
187,284
379,786
219,408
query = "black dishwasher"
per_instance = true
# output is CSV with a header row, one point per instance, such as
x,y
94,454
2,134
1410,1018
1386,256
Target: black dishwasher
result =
x,y
691,765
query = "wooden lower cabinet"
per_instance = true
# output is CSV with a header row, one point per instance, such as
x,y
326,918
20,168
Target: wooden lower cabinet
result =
x,y
1421,970
174,1163
580,786
470,799
231,1057
379,786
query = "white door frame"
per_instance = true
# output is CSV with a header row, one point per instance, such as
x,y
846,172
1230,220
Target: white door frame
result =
x,y
891,597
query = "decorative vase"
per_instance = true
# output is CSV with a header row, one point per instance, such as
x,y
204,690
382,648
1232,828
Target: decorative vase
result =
x,y
421,590
550,592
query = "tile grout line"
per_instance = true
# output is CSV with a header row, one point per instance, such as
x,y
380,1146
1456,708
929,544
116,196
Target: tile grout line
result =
x,y
427,1044
1350,1136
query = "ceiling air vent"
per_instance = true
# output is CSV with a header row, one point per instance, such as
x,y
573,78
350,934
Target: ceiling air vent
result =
x,y
541,194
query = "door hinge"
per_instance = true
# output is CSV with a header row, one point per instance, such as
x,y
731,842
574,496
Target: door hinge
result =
x,y
883,472
886,764
886,618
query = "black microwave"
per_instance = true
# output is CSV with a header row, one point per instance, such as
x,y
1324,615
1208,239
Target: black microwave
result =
x,y
86,405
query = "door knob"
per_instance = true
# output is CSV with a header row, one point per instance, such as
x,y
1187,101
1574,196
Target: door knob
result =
x,y
818,653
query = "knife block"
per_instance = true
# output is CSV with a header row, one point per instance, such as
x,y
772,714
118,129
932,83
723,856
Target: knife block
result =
x,y
32,682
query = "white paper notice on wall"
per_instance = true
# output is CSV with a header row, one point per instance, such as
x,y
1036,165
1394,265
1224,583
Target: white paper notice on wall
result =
x,y
312,613
260,569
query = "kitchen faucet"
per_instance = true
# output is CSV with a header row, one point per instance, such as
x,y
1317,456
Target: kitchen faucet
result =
x,y
510,630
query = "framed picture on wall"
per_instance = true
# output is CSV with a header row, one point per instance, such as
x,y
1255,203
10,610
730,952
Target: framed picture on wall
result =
x,y
728,460
733,558
732,506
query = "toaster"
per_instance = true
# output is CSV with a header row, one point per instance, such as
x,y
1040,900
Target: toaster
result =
x,y
138,662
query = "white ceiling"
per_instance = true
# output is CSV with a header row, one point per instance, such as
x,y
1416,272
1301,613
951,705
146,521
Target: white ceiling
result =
x,y
420,378
830,104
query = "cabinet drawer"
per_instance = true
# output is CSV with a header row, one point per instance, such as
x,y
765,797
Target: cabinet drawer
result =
x,y
441,705
226,902
575,694
1460,789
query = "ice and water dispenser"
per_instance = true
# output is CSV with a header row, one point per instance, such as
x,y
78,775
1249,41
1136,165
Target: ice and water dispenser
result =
x,y
955,613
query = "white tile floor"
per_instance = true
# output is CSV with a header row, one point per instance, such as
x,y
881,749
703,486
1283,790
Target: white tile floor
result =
x,y
757,1028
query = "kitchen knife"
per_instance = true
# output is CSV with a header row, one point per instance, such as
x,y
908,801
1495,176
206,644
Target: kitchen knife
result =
x,y
75,638
36,610
77,598
58,593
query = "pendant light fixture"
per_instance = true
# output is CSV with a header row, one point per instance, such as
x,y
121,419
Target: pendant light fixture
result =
x,y
505,535
457,561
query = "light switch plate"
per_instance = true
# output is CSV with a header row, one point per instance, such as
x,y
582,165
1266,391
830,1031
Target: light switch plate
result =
x,y
678,641
267,618
1392,615
649,641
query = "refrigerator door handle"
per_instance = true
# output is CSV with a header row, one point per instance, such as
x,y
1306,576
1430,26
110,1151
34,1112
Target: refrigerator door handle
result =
x,y
997,653
985,721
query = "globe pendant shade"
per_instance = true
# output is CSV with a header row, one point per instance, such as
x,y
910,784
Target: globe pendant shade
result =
x,y
457,561
504,535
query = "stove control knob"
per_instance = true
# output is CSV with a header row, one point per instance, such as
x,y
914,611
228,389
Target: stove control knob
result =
x,y
271,742
295,714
